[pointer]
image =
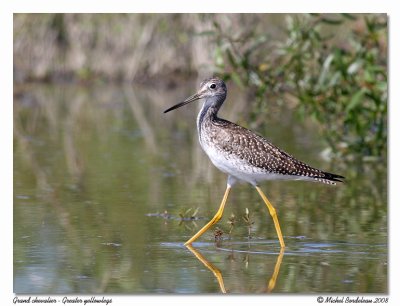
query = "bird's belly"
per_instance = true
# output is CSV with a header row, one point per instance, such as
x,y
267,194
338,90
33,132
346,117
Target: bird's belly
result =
x,y
243,170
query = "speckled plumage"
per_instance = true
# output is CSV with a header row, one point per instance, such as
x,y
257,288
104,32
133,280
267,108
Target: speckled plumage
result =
x,y
245,155
242,154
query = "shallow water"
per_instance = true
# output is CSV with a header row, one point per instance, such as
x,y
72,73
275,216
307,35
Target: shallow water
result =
x,y
105,188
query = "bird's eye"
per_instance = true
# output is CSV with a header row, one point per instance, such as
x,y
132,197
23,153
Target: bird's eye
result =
x,y
212,86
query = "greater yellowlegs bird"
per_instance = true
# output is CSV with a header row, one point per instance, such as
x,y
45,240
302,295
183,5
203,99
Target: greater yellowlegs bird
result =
x,y
242,154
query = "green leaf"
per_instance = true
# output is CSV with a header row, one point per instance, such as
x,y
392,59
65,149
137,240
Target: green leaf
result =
x,y
369,76
236,78
355,100
219,58
331,21
231,58
349,16
382,86
216,25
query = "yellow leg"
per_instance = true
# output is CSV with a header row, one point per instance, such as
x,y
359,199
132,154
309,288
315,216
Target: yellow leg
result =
x,y
272,281
214,220
272,212
210,266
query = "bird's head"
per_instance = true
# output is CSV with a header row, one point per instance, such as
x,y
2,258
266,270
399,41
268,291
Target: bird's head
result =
x,y
209,88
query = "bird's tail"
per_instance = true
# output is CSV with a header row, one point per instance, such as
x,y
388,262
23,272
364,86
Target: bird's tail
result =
x,y
329,178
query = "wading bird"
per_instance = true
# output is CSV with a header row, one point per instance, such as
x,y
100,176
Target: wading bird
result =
x,y
242,154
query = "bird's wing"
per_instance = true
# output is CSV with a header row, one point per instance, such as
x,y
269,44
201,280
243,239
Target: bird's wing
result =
x,y
259,152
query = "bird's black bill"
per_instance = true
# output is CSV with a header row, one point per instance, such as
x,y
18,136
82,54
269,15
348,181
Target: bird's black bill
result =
x,y
188,100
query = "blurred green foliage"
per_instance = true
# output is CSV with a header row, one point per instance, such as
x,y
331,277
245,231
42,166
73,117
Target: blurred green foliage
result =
x,y
333,68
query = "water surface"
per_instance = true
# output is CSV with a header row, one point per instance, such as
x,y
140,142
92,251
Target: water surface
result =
x,y
105,188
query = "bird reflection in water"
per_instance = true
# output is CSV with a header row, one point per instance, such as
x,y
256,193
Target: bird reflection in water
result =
x,y
218,275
